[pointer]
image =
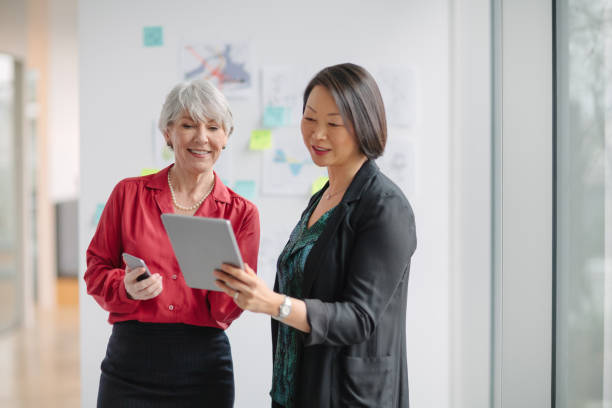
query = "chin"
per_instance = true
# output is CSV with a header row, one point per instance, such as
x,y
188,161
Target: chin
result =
x,y
318,161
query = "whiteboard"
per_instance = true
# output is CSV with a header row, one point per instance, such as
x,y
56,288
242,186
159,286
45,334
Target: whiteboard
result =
x,y
123,84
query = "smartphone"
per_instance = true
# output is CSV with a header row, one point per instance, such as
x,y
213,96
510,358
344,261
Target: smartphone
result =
x,y
133,262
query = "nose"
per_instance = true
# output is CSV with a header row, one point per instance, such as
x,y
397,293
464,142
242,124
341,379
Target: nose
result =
x,y
202,133
319,133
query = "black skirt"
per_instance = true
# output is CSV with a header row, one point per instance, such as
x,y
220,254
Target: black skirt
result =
x,y
166,365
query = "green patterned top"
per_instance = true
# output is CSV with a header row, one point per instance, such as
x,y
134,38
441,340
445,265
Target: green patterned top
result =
x,y
290,278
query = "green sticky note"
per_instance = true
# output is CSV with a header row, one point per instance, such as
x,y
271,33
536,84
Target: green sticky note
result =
x,y
274,116
152,36
261,139
245,188
97,214
146,172
318,184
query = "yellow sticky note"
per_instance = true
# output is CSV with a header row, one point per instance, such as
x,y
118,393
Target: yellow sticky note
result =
x,y
261,139
146,172
318,184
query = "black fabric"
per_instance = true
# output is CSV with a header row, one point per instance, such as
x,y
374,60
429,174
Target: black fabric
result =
x,y
166,365
355,289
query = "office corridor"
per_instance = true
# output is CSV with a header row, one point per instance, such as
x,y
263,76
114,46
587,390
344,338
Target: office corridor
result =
x,y
40,365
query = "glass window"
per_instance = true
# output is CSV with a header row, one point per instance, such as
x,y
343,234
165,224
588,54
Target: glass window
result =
x,y
583,374
8,239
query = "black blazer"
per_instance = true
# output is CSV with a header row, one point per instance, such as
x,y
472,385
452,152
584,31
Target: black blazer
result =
x,y
355,289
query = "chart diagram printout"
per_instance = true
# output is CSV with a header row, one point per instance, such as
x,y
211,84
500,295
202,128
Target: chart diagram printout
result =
x,y
398,163
282,94
273,240
227,66
398,89
287,166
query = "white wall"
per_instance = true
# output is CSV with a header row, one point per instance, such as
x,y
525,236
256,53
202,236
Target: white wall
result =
x,y
63,102
122,87
470,266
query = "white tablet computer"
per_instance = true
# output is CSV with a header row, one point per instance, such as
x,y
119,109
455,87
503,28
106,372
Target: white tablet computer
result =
x,y
201,245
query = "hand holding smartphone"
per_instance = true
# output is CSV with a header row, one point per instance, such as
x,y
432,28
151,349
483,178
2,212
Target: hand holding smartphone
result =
x,y
133,262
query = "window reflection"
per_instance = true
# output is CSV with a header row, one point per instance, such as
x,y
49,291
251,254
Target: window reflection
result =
x,y
584,216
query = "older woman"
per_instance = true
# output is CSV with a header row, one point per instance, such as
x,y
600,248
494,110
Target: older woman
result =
x,y
168,347
339,301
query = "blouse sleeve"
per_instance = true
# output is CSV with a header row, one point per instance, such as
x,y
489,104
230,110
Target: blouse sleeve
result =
x,y
104,275
222,307
379,261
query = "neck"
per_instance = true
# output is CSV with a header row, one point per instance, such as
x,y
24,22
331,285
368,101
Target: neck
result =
x,y
340,177
190,183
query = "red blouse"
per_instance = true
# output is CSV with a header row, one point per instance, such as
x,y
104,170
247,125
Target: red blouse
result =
x,y
131,223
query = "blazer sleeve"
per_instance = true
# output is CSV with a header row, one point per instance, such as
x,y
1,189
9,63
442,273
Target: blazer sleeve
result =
x,y
104,274
222,307
378,261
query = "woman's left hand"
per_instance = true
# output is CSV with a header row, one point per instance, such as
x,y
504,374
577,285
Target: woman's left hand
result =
x,y
248,290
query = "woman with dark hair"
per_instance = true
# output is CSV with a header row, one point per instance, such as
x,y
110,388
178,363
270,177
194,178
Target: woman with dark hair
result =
x,y
339,300
168,347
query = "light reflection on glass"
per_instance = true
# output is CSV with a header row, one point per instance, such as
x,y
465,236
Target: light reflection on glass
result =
x,y
584,214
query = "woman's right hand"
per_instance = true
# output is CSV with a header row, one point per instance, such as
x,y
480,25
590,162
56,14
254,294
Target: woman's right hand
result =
x,y
144,289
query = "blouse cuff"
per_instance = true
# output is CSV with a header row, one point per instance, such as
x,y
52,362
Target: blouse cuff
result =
x,y
123,295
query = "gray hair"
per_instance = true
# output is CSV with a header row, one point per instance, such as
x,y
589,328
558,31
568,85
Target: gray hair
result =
x,y
199,99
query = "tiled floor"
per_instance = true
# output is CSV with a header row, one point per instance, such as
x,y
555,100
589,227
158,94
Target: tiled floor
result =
x,y
39,366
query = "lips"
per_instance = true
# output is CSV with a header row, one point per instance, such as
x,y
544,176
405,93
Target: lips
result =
x,y
320,150
198,153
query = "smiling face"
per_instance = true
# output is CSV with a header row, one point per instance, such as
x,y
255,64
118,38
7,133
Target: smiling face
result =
x,y
197,145
330,141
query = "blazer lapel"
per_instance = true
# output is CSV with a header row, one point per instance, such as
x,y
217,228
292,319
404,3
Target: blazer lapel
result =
x,y
317,253
313,262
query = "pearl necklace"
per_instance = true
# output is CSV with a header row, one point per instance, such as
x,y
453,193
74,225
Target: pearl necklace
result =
x,y
193,207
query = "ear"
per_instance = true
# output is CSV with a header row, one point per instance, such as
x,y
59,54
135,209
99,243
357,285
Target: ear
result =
x,y
167,138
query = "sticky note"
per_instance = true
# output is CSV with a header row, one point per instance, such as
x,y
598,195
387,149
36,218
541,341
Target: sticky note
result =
x,y
318,184
97,214
274,116
245,188
152,36
146,172
261,139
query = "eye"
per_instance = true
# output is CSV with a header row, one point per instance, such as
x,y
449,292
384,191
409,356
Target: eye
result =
x,y
308,119
335,124
187,126
213,128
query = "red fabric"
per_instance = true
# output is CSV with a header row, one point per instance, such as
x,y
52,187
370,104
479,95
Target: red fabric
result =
x,y
131,223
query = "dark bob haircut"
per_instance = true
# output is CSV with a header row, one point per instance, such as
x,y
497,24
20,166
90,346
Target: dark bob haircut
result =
x,y
359,102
